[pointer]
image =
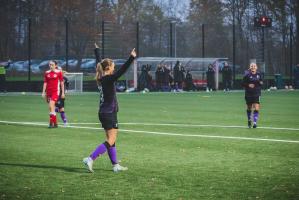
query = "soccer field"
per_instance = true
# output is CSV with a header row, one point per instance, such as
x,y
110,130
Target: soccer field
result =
x,y
176,145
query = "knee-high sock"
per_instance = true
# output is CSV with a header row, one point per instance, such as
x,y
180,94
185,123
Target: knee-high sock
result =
x,y
255,116
101,149
248,114
63,116
113,154
53,119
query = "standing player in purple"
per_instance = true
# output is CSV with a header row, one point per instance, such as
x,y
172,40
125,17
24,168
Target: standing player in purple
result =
x,y
60,102
108,109
252,82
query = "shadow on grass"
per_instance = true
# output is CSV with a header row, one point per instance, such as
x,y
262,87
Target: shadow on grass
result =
x,y
68,169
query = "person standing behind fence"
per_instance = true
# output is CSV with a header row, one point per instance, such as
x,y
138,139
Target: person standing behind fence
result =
x,y
178,76
2,78
226,77
159,77
189,82
252,82
108,108
210,78
296,76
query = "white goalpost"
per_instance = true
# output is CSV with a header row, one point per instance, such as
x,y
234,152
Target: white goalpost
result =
x,y
75,81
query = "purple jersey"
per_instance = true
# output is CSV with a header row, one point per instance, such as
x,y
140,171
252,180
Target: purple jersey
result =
x,y
108,100
255,79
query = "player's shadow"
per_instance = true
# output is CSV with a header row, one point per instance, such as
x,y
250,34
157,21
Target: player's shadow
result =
x,y
67,169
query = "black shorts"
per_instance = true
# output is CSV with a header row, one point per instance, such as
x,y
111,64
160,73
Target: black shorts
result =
x,y
108,120
60,103
252,100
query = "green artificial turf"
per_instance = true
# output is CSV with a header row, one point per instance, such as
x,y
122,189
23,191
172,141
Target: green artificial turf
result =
x,y
176,146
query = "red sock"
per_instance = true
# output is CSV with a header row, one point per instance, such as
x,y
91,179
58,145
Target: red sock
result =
x,y
54,119
51,119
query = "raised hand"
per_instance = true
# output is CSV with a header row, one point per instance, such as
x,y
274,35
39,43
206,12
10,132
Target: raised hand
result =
x,y
96,46
133,53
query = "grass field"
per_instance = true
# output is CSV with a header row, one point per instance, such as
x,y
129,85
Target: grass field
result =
x,y
176,145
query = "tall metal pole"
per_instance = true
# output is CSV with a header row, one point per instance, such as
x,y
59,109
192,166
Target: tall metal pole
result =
x,y
203,40
137,38
291,53
29,48
66,44
103,39
174,24
263,45
234,46
170,39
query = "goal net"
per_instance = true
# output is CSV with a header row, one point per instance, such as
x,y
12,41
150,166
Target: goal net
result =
x,y
75,82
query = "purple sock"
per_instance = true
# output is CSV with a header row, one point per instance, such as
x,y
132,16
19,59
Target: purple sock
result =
x,y
112,155
101,149
63,117
255,116
248,115
56,109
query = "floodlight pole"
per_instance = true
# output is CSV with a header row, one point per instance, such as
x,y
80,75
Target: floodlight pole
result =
x,y
234,46
103,39
137,38
29,49
263,45
66,44
291,53
203,40
174,39
170,39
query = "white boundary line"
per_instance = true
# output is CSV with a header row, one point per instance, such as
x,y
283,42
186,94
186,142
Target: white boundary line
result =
x,y
196,125
162,133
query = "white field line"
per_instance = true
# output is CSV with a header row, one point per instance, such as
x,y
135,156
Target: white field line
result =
x,y
195,125
161,133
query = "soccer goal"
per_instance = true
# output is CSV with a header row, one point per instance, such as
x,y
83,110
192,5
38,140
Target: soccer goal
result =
x,y
75,82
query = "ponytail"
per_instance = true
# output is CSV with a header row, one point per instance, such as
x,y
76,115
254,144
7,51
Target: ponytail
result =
x,y
99,73
101,67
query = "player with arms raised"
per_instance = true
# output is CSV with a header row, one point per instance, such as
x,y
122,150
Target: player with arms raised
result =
x,y
53,84
108,108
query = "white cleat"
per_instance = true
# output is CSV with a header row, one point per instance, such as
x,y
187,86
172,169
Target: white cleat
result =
x,y
117,168
88,164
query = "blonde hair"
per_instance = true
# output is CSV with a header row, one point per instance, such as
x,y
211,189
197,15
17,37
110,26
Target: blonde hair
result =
x,y
101,67
251,64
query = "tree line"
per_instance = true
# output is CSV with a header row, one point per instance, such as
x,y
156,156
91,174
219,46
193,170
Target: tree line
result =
x,y
200,28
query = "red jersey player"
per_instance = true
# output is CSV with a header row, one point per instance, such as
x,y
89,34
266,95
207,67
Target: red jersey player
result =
x,y
53,83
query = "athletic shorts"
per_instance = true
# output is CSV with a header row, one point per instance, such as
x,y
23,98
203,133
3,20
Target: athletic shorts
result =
x,y
53,97
252,100
60,103
108,120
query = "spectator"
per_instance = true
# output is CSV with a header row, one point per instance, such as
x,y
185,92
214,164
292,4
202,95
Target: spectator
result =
x,y
165,79
226,77
159,77
210,78
2,78
179,76
189,82
145,79
296,76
